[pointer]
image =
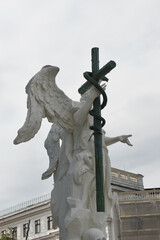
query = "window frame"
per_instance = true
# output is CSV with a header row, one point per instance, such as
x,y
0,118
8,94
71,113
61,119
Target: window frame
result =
x,y
49,223
14,232
25,229
3,232
37,226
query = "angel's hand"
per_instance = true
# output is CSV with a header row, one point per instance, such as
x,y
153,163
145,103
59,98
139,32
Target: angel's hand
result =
x,y
95,92
124,139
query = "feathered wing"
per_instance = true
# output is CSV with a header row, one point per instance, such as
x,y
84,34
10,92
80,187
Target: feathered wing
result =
x,y
33,120
45,99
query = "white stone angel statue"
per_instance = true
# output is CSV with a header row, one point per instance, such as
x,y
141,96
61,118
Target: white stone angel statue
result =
x,y
73,197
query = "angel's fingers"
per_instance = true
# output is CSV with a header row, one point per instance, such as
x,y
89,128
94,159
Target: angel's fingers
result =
x,y
103,86
130,135
129,143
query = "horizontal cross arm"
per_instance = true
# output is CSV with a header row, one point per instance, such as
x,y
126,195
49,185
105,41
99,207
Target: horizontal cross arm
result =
x,y
99,75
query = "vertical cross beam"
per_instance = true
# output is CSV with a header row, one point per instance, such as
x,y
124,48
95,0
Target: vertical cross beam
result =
x,y
98,139
92,79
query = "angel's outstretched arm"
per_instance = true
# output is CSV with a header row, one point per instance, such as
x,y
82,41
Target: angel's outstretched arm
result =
x,y
123,139
81,114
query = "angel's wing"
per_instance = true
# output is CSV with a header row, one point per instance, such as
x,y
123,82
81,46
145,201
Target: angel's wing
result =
x,y
45,99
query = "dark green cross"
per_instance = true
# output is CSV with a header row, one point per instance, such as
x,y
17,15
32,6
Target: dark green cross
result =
x,y
93,79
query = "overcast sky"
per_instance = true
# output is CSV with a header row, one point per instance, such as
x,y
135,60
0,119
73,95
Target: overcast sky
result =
x,y
61,33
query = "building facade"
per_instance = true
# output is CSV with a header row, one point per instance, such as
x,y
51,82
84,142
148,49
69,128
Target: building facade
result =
x,y
34,217
140,215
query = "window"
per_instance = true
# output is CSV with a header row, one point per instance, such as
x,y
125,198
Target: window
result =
x,y
25,229
133,179
114,174
3,232
14,232
125,177
37,226
49,223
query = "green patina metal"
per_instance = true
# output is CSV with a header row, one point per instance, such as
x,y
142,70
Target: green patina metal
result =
x,y
93,79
